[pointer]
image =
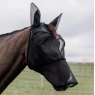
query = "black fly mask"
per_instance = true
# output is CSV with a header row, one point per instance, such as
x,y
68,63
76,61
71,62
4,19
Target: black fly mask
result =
x,y
46,52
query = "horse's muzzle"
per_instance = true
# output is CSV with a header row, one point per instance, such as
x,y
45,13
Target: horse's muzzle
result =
x,y
60,75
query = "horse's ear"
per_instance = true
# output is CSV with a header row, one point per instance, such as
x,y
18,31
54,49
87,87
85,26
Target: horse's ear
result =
x,y
34,15
56,21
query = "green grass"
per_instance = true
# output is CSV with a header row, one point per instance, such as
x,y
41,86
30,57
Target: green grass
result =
x,y
29,83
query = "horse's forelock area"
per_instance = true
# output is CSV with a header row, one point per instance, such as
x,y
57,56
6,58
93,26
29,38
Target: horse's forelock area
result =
x,y
53,29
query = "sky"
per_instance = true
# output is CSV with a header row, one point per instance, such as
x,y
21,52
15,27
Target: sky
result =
x,y
76,25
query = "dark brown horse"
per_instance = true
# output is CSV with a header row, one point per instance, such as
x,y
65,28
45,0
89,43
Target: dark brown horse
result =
x,y
39,47
12,55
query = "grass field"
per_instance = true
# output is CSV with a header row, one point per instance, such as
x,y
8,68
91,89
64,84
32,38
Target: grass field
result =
x,y
29,83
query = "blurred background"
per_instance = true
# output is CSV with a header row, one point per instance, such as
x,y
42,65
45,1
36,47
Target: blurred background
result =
x,y
76,27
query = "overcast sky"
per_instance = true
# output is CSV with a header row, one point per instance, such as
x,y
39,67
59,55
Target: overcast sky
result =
x,y
76,25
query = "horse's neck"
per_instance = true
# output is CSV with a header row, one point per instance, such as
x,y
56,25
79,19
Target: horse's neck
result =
x,y
12,57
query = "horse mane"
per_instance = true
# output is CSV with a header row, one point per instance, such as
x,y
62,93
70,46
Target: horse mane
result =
x,y
13,32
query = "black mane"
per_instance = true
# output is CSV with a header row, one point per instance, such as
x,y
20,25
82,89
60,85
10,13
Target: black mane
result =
x,y
13,32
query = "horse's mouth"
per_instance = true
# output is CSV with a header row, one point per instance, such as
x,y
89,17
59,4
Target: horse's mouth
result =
x,y
64,87
60,88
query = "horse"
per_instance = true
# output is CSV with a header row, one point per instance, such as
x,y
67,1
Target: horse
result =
x,y
40,48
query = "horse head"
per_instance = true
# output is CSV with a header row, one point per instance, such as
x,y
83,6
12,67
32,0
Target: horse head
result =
x,y
46,52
